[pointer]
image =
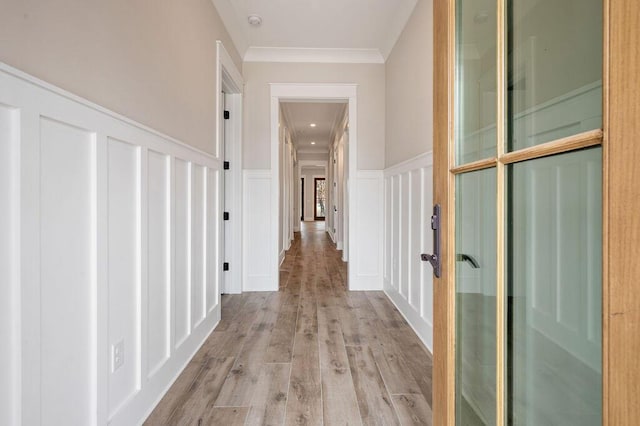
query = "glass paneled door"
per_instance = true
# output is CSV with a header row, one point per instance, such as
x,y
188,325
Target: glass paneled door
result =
x,y
528,212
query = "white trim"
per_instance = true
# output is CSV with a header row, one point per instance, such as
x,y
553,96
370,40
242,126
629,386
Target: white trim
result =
x,y
313,55
229,79
21,75
422,160
288,91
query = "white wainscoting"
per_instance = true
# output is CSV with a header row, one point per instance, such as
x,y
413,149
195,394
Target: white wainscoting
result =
x,y
258,254
367,219
408,199
109,237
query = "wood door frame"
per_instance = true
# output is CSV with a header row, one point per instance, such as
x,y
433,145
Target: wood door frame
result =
x,y
621,222
315,198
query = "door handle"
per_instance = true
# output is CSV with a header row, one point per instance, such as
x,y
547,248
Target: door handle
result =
x,y
461,257
434,259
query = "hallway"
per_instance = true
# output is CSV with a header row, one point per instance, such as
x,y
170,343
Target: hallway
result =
x,y
312,353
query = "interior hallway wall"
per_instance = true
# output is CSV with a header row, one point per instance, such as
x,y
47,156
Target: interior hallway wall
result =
x,y
409,89
408,176
153,61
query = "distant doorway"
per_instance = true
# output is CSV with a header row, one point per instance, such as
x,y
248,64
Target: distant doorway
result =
x,y
302,199
319,198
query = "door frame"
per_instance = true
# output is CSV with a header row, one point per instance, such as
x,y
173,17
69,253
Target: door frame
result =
x,y
230,81
319,92
621,202
315,198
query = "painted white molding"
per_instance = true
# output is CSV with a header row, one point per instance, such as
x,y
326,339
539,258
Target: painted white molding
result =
x,y
422,160
408,189
229,80
260,237
10,299
313,55
103,253
366,239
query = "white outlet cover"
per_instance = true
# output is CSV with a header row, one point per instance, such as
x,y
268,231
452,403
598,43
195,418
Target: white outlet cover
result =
x,y
117,356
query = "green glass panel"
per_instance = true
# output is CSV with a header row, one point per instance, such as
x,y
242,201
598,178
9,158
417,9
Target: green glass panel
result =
x,y
476,298
475,86
554,290
554,70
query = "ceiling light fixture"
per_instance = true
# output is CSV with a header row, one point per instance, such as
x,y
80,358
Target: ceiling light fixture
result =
x,y
254,20
313,143
312,125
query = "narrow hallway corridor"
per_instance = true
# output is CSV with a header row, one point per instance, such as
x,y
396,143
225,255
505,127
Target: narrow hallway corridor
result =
x,y
311,354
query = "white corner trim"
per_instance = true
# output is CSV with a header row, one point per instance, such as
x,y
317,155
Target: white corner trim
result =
x,y
422,160
313,55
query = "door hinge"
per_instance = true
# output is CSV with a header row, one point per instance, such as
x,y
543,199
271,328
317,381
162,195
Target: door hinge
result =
x,y
225,165
225,266
225,215
227,115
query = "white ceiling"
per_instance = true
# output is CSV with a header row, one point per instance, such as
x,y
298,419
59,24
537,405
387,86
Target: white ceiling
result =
x,y
356,30
298,117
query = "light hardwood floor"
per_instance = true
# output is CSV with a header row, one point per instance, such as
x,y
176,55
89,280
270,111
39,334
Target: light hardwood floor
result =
x,y
311,354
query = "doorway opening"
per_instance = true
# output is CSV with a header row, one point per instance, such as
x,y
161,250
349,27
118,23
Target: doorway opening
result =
x,y
319,198
229,176
287,166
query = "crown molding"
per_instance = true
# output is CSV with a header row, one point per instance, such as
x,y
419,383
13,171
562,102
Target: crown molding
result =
x,y
232,24
313,55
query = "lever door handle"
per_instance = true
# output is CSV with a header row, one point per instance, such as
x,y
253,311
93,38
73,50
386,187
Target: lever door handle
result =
x,y
434,259
461,257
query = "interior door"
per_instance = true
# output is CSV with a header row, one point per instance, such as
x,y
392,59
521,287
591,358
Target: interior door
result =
x,y
519,304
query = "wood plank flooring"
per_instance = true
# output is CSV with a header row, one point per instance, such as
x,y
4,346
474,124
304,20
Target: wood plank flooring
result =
x,y
311,354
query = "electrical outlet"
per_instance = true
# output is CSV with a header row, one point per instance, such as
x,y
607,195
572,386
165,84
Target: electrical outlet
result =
x,y
117,356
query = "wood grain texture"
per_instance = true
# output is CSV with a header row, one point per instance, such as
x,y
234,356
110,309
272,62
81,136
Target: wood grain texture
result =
x,y
270,398
570,143
376,407
202,392
339,403
241,381
443,298
622,226
413,409
227,416
306,324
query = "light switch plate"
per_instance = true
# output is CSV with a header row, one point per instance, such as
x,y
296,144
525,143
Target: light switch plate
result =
x,y
117,356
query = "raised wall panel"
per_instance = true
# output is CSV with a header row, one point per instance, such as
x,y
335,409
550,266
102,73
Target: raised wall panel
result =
x,y
182,251
368,224
96,249
387,229
415,239
159,260
404,260
68,274
395,233
257,232
213,226
9,263
408,234
198,246
124,268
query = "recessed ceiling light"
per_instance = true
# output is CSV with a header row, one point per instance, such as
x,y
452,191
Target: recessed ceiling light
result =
x,y
254,20
312,125
313,143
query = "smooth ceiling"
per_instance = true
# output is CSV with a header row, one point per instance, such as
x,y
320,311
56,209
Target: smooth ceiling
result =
x,y
328,24
299,116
